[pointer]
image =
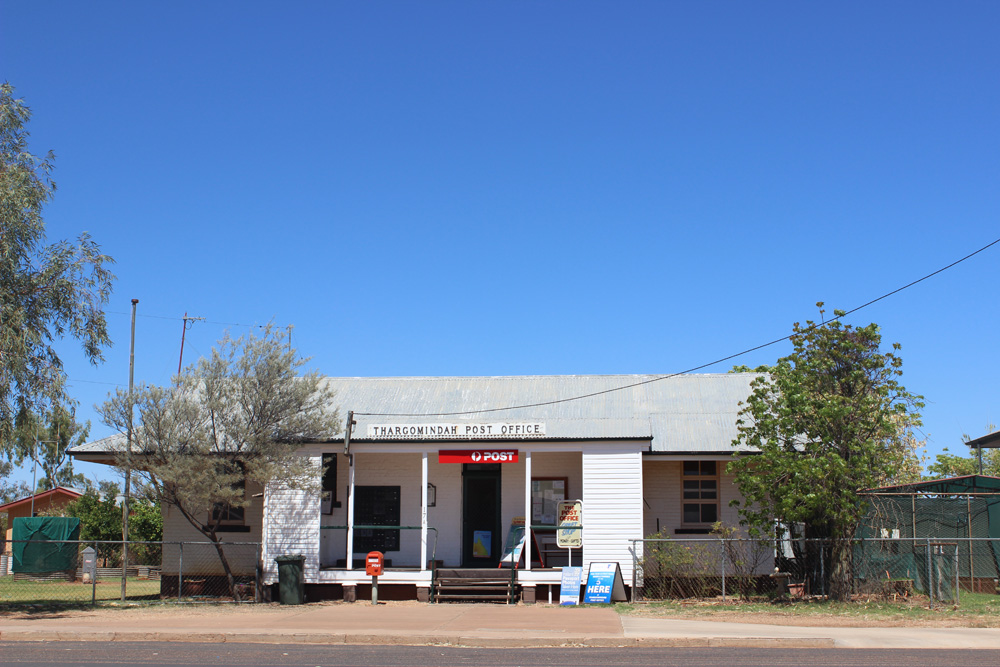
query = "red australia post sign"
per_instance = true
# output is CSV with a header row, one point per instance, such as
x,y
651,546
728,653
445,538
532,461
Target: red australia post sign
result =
x,y
477,456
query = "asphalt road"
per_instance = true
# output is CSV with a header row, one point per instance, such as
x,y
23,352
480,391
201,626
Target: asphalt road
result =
x,y
69,654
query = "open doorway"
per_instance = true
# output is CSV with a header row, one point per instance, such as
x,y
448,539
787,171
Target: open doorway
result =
x,y
481,534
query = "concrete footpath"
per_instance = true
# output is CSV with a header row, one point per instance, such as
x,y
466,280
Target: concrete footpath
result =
x,y
471,625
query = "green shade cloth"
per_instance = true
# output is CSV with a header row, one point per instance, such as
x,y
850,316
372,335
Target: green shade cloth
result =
x,y
40,544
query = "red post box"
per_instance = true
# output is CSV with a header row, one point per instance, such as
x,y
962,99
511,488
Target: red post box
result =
x,y
374,563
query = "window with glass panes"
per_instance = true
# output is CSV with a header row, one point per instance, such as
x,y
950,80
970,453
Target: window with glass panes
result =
x,y
701,492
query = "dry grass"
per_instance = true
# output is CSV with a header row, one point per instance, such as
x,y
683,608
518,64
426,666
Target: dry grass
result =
x,y
976,610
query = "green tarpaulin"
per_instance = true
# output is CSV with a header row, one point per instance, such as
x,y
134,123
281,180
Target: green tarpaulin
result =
x,y
40,544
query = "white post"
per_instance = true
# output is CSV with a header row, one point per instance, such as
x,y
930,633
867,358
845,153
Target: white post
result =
x,y
350,511
423,511
527,510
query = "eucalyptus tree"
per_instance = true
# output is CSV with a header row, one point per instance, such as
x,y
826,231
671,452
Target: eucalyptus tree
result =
x,y
46,442
47,291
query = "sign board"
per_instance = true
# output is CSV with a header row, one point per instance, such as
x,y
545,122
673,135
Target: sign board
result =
x,y
515,542
468,431
477,456
569,535
514,547
569,587
604,584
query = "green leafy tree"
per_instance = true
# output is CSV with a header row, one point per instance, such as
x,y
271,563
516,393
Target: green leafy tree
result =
x,y
101,520
105,488
947,464
145,524
232,420
825,423
47,291
100,517
46,443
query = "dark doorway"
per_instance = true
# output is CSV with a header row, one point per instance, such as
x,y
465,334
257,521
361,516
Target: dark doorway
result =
x,y
481,537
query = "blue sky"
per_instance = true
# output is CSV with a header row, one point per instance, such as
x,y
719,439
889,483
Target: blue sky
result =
x,y
485,188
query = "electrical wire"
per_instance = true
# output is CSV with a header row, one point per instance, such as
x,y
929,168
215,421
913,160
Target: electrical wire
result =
x,y
684,372
613,389
178,319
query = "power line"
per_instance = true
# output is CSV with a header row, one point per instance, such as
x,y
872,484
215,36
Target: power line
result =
x,y
178,319
113,384
684,372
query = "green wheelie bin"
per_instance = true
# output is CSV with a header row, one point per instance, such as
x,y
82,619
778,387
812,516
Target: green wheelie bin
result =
x,y
291,579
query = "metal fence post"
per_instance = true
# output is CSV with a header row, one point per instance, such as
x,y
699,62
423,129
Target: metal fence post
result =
x,y
259,575
822,569
722,545
635,567
180,571
93,579
957,587
930,574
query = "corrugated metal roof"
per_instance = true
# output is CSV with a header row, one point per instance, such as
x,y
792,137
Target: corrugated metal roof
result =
x,y
988,440
112,443
67,491
683,413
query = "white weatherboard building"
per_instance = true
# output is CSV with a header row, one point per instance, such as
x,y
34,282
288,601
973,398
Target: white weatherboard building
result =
x,y
643,454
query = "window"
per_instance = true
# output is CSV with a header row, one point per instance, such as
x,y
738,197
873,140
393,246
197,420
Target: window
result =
x,y
546,494
227,518
224,513
376,506
329,498
701,492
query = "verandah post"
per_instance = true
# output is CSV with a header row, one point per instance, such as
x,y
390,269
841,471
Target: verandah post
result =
x,y
350,512
423,511
527,510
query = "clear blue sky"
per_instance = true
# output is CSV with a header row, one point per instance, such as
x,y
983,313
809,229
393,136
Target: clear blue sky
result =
x,y
486,188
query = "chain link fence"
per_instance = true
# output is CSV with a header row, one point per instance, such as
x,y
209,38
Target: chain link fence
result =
x,y
89,572
937,568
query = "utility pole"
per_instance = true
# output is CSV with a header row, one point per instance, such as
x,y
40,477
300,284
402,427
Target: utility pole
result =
x,y
34,469
184,328
34,465
290,327
128,453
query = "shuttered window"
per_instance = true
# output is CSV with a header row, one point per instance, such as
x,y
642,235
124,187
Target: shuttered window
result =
x,y
700,492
